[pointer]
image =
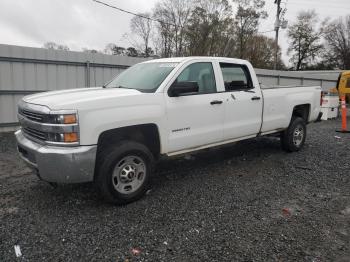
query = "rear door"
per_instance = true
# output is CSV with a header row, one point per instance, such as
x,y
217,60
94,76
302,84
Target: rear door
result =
x,y
195,120
244,102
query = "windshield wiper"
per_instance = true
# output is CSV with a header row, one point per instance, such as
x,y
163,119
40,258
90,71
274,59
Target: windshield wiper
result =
x,y
123,87
105,86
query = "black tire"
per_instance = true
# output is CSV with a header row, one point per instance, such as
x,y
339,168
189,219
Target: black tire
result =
x,y
107,181
290,141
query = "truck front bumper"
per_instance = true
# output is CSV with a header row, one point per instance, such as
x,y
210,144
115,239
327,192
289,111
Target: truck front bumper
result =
x,y
58,164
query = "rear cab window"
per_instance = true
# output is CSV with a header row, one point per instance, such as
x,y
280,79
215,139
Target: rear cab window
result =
x,y
236,77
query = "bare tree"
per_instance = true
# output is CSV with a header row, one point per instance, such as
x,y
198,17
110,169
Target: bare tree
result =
x,y
337,43
91,51
174,15
113,49
142,28
260,52
247,19
109,49
209,28
131,51
304,39
163,40
54,46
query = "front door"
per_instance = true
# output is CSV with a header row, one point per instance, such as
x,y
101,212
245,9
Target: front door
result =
x,y
196,119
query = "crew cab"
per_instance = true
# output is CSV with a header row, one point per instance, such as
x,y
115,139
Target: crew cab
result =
x,y
113,135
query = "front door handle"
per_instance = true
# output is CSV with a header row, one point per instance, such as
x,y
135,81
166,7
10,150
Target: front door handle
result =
x,y
256,98
216,102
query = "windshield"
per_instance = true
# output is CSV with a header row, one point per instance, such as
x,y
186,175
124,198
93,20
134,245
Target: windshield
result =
x,y
145,77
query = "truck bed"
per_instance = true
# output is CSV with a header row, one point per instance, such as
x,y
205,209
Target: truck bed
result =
x,y
279,102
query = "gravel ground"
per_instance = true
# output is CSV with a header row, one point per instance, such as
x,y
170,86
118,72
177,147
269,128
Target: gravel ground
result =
x,y
245,202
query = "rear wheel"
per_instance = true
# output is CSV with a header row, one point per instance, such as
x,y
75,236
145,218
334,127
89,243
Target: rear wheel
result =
x,y
293,138
124,172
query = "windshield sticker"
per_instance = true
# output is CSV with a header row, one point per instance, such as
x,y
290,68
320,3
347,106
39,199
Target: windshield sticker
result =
x,y
167,65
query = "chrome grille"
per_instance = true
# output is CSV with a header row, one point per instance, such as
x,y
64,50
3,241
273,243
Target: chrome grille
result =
x,y
38,124
35,133
37,117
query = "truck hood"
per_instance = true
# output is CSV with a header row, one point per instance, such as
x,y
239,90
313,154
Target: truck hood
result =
x,y
72,98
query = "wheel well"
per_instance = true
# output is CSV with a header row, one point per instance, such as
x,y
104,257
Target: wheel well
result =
x,y
146,134
302,111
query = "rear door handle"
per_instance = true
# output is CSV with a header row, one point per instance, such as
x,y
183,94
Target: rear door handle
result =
x,y
216,102
256,98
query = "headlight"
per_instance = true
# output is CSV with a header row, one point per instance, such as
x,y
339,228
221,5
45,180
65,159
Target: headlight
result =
x,y
63,137
65,126
62,119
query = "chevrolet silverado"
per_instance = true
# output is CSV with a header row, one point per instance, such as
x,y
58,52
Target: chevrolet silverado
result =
x,y
113,135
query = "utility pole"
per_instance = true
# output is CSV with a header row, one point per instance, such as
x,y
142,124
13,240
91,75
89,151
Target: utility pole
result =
x,y
277,27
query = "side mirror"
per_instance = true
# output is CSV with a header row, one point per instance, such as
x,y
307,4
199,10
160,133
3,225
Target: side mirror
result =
x,y
181,88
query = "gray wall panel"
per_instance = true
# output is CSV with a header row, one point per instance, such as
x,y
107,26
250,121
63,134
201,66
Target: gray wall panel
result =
x,y
71,77
6,75
52,77
312,82
29,76
61,77
7,109
42,77
267,81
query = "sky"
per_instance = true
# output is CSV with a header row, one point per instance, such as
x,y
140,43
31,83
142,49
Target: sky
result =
x,y
86,24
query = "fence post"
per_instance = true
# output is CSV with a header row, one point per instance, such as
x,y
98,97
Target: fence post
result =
x,y
302,81
279,80
322,84
87,76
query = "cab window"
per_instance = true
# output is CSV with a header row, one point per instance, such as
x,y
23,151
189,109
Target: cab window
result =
x,y
203,74
236,77
348,83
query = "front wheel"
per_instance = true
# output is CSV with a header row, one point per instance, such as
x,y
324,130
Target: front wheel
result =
x,y
293,138
124,172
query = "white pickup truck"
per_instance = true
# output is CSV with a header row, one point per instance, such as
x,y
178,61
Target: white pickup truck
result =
x,y
114,134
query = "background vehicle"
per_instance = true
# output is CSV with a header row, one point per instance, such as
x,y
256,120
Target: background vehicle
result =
x,y
113,135
343,85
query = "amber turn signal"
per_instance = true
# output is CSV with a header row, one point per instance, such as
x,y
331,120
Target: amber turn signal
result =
x,y
69,119
70,137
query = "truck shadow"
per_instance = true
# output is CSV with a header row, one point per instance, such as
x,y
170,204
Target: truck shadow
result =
x,y
177,169
236,153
